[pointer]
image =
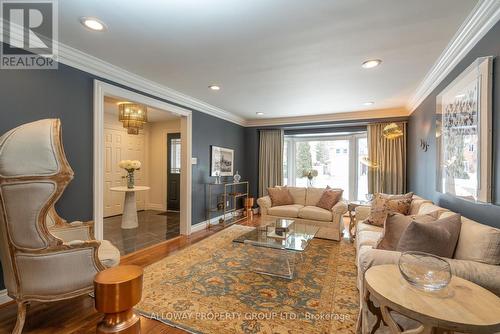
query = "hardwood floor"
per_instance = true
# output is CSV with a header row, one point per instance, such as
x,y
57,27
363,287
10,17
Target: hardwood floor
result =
x,y
79,316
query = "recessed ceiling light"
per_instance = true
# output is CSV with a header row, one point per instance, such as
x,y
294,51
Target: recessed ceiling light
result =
x,y
259,113
93,24
370,103
371,63
214,87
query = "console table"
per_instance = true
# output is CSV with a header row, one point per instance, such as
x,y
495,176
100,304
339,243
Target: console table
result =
x,y
231,192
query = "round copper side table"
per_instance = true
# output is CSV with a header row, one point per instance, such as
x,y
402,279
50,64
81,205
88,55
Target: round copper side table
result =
x,y
117,291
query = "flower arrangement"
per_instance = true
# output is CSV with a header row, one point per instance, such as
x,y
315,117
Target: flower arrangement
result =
x,y
130,166
310,174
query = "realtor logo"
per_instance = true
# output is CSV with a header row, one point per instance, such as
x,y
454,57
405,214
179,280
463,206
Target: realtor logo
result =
x,y
29,34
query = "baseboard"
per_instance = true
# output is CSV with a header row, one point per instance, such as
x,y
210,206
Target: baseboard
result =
x,y
203,225
152,206
4,299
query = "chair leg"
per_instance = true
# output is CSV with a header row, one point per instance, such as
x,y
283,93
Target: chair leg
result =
x,y
21,317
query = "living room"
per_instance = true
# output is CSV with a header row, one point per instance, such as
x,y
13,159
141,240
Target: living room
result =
x,y
300,167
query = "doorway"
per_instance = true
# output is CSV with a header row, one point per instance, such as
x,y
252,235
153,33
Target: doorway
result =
x,y
173,172
111,147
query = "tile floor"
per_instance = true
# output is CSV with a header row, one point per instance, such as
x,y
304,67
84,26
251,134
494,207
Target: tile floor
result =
x,y
154,227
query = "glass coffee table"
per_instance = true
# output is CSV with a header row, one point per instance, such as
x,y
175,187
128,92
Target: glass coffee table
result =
x,y
276,247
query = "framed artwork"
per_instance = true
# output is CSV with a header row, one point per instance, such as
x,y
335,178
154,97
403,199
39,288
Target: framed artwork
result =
x,y
222,161
464,134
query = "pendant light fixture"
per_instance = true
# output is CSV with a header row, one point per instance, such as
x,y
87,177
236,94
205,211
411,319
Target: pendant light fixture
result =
x,y
392,131
133,116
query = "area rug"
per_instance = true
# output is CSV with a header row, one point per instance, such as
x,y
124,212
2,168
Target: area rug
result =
x,y
208,288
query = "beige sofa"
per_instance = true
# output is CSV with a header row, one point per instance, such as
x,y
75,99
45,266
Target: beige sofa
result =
x,y
473,259
304,209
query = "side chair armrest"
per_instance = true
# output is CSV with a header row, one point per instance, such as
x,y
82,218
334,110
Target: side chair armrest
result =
x,y
74,231
362,212
264,204
340,207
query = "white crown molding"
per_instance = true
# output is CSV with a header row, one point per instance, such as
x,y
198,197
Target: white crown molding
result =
x,y
482,18
336,117
85,62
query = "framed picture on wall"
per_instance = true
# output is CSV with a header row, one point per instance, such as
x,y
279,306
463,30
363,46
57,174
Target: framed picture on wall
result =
x,y
222,161
464,134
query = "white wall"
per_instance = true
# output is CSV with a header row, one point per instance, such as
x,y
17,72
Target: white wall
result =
x,y
157,171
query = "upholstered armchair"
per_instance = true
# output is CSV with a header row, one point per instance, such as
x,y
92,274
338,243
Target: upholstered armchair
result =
x,y
44,258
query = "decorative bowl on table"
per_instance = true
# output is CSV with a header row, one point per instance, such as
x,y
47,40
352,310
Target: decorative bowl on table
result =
x,y
425,271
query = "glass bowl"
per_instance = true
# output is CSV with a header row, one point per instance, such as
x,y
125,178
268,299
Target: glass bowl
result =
x,y
425,271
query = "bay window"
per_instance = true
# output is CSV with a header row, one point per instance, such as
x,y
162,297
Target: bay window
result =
x,y
327,160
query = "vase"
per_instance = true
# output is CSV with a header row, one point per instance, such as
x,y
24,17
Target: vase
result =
x,y
425,271
236,177
130,179
309,182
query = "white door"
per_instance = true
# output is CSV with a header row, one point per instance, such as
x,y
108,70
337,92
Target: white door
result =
x,y
118,145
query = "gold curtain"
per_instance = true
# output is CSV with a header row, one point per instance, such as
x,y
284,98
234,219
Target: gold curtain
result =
x,y
270,159
388,156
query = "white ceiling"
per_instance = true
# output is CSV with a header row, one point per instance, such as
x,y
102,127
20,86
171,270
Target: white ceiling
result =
x,y
154,115
285,58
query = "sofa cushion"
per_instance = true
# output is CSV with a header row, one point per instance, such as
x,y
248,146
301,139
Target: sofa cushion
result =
x,y
367,238
280,196
298,194
430,209
478,242
315,213
313,195
329,198
291,211
416,203
439,237
395,225
367,227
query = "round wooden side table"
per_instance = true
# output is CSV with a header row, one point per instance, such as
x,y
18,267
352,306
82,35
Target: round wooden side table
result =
x,y
129,216
462,306
117,291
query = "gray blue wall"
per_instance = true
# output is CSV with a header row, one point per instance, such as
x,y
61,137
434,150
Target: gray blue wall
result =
x,y
422,165
67,93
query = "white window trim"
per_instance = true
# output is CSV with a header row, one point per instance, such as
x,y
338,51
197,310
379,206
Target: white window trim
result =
x,y
353,157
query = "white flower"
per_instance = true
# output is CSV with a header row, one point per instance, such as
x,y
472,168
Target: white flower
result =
x,y
135,164
130,164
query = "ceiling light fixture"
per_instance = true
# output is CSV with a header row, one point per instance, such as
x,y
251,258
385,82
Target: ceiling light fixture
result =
x,y
93,24
133,116
370,103
214,87
259,113
392,131
371,63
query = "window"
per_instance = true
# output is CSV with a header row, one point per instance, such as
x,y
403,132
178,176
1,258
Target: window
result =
x,y
362,169
175,156
331,160
285,163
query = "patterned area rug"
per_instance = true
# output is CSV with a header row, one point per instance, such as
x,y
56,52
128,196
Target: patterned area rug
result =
x,y
209,288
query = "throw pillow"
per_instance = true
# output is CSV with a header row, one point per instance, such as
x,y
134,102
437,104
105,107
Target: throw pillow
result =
x,y
439,237
399,203
378,211
395,225
329,198
280,196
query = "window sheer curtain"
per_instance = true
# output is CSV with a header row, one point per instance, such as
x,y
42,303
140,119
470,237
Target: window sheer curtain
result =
x,y
388,156
270,159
